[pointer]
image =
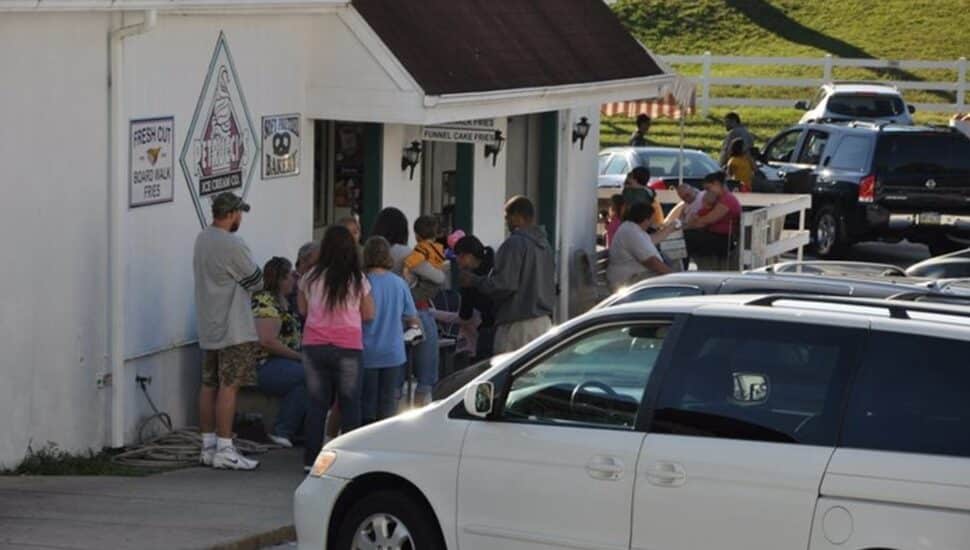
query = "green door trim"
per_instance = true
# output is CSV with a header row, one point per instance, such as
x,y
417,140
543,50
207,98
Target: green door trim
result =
x,y
464,187
548,171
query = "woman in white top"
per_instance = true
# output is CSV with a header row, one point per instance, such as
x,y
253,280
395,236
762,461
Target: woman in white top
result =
x,y
633,256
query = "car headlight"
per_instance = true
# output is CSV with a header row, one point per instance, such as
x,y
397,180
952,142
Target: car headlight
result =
x,y
323,463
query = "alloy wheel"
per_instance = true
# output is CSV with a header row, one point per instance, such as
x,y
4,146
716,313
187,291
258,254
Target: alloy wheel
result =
x,y
383,532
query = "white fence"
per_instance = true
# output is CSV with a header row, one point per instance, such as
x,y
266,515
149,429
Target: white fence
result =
x,y
826,65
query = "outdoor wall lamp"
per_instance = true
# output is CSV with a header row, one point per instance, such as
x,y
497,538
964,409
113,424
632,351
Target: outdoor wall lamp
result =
x,y
412,155
493,149
580,131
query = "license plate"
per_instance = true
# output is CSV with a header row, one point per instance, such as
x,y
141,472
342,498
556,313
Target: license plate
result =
x,y
929,218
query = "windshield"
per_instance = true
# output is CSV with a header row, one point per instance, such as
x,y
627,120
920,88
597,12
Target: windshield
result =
x,y
666,164
866,105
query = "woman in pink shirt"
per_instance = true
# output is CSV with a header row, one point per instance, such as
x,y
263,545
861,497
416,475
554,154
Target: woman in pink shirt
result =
x,y
709,233
335,300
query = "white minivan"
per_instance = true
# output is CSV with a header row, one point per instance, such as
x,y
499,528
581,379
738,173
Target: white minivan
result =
x,y
729,422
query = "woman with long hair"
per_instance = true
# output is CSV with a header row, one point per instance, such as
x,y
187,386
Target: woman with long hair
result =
x,y
335,297
280,361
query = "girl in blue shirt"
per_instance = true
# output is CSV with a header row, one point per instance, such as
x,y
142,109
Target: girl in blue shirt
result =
x,y
384,357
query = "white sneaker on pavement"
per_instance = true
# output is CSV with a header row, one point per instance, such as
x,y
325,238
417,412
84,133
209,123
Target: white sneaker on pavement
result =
x,y
229,458
280,440
206,455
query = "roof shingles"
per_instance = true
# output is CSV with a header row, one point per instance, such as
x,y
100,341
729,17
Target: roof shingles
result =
x,y
462,46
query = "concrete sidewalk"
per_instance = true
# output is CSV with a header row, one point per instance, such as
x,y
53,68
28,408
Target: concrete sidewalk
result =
x,y
190,508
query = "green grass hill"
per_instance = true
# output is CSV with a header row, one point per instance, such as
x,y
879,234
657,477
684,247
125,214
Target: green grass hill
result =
x,y
878,29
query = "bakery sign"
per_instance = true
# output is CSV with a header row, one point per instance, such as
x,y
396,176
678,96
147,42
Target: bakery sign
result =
x,y
281,146
221,150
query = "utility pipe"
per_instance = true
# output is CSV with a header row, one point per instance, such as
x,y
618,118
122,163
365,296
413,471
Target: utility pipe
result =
x,y
117,205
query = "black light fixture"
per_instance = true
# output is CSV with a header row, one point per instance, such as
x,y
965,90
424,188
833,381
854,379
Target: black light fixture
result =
x,y
411,157
580,131
493,149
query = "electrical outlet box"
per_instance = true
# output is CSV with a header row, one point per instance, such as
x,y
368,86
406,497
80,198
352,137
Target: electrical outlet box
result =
x,y
102,380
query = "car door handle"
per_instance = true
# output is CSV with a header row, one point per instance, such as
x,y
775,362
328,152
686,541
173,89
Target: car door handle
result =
x,y
667,474
605,468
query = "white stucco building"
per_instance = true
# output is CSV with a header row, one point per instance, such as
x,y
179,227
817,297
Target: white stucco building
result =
x,y
118,116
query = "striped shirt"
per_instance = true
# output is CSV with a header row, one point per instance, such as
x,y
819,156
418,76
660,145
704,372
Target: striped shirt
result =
x,y
225,277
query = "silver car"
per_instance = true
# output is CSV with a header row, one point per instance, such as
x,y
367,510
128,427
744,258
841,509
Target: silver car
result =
x,y
663,162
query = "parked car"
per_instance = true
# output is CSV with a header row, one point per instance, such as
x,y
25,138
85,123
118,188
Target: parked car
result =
x,y
868,101
876,182
955,265
701,283
847,416
664,163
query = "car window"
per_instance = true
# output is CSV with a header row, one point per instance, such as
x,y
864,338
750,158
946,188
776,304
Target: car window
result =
x,y
866,105
911,396
657,293
595,380
783,147
666,164
918,153
756,380
818,99
852,154
813,148
618,166
604,159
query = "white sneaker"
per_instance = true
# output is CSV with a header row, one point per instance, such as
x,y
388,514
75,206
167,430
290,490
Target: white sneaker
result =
x,y
230,459
206,455
413,335
280,440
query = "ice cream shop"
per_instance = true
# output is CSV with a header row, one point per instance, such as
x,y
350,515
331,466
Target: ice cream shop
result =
x,y
129,115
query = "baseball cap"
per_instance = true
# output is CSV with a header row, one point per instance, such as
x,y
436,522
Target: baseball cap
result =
x,y
227,203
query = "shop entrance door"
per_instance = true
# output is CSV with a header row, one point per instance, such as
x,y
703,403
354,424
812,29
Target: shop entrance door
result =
x,y
347,173
446,184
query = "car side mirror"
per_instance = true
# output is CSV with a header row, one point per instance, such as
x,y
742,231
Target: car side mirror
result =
x,y
802,105
479,399
911,108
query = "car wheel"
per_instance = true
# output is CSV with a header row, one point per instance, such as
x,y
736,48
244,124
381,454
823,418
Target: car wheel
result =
x,y
828,232
388,520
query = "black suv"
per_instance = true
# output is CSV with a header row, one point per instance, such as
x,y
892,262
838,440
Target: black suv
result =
x,y
876,182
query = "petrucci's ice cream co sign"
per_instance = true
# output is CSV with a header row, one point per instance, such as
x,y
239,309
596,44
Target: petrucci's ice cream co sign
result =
x,y
220,152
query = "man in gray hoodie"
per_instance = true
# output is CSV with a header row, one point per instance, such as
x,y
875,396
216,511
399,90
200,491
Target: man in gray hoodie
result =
x,y
522,284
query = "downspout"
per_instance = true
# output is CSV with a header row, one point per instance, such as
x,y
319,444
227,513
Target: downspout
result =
x,y
117,204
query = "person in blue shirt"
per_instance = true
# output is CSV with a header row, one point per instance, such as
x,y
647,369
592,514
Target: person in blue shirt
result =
x,y
384,355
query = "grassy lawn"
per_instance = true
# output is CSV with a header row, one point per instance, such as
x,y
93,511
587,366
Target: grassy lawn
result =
x,y
890,29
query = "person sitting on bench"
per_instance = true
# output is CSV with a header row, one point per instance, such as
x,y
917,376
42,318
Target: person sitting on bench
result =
x,y
709,233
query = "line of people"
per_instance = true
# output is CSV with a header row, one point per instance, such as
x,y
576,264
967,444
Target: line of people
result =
x,y
329,337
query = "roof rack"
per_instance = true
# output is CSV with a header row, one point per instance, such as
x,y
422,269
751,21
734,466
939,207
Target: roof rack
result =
x,y
819,265
863,83
932,298
897,309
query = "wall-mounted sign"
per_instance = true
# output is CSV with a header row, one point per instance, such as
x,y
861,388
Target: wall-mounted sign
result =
x,y
222,147
463,131
281,146
151,161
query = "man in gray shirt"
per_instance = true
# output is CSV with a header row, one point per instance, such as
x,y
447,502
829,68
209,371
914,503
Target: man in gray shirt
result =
x,y
523,283
225,277
732,123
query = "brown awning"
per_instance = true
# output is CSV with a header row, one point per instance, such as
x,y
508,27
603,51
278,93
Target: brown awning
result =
x,y
470,46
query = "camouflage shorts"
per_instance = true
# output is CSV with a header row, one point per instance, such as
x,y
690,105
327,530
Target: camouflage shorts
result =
x,y
232,366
